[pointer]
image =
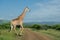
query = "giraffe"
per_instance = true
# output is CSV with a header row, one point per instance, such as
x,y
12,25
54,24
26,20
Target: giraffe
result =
x,y
19,21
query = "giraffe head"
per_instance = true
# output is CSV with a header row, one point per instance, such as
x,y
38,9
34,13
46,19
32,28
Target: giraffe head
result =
x,y
27,9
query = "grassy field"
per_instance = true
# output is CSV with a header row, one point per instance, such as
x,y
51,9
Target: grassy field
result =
x,y
54,34
5,35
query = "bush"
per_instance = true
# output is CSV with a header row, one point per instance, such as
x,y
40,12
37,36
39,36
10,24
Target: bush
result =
x,y
5,26
54,26
36,26
45,27
58,28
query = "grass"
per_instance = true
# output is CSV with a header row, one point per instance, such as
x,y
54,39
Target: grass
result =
x,y
54,34
5,35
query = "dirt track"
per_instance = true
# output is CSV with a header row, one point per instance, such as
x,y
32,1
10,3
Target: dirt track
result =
x,y
30,35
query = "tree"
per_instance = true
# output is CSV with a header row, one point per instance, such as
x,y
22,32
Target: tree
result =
x,y
36,26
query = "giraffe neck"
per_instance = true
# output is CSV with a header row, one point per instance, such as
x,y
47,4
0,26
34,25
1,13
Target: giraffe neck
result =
x,y
21,17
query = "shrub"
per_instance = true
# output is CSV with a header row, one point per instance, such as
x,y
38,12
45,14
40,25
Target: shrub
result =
x,y
36,26
45,27
5,26
58,28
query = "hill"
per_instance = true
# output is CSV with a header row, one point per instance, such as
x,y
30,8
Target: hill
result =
x,y
48,23
31,23
3,21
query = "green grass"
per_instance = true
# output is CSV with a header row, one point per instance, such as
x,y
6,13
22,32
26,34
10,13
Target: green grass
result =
x,y
54,34
5,35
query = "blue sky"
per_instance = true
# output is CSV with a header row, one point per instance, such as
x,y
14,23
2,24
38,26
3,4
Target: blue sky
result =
x,y
41,10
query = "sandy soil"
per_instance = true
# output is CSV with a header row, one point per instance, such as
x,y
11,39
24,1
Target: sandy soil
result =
x,y
30,35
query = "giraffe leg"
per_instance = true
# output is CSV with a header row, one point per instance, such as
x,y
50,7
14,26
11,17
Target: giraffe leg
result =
x,y
15,29
11,28
21,29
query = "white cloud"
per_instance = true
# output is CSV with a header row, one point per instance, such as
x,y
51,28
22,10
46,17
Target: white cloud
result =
x,y
47,11
1,19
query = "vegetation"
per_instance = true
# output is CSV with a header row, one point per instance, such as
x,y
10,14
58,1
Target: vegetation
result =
x,y
5,35
53,34
5,26
34,26
50,30
46,27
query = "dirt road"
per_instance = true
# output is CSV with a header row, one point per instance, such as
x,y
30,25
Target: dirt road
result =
x,y
30,35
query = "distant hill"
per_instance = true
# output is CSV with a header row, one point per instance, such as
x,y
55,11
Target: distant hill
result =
x,y
31,23
48,23
3,21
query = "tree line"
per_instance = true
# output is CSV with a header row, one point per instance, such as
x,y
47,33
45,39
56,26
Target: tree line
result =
x,y
45,26
34,26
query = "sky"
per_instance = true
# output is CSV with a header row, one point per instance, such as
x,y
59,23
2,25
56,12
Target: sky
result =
x,y
41,10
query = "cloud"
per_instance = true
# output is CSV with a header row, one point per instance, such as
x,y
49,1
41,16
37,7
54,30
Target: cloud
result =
x,y
1,19
47,11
